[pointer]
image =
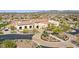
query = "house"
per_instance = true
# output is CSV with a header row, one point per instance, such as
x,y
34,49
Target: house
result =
x,y
32,23
56,23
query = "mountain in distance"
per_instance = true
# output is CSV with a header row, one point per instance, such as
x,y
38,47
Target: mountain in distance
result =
x,y
42,11
63,11
21,11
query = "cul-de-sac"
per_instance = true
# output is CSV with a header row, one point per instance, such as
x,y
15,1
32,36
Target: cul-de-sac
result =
x,y
39,29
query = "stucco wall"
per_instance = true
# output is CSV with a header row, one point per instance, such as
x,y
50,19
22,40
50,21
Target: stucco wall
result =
x,y
40,25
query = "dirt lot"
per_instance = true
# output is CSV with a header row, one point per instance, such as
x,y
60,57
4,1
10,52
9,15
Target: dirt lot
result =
x,y
25,44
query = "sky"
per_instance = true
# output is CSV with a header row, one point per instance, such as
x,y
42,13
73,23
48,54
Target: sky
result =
x,y
39,4
21,11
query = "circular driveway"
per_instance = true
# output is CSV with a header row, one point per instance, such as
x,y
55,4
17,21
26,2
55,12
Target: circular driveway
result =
x,y
16,36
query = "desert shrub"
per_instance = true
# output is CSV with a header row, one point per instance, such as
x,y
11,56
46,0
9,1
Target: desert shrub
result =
x,y
9,44
25,31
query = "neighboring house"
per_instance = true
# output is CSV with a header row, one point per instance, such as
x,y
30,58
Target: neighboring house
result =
x,y
32,23
56,23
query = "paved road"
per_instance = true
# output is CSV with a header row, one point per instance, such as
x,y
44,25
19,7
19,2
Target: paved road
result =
x,y
16,36
66,42
63,44
36,38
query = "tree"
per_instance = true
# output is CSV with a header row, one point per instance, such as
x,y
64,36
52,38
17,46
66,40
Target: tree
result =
x,y
51,26
45,34
12,27
57,30
3,25
0,17
9,44
77,24
64,25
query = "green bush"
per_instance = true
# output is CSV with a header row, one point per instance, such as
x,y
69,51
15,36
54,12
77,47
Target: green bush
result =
x,y
9,44
1,32
45,34
25,31
3,25
57,30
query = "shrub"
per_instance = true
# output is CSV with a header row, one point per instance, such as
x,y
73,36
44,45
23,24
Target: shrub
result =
x,y
12,27
45,34
57,30
9,44
1,32
25,31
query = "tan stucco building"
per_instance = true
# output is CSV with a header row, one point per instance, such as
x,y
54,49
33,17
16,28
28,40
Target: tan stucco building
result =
x,y
32,23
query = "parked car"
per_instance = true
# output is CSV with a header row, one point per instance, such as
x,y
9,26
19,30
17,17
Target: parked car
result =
x,y
6,29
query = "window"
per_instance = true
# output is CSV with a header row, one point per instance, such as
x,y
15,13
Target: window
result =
x,y
30,26
25,27
37,26
20,27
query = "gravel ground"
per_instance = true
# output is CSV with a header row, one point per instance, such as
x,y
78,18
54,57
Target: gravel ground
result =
x,y
26,44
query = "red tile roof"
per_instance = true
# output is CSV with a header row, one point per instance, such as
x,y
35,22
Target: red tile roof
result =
x,y
27,22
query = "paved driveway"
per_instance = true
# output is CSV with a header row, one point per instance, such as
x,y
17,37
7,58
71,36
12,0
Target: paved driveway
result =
x,y
16,36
